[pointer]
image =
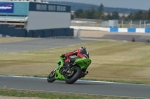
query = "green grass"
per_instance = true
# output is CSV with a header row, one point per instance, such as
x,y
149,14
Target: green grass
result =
x,y
116,61
53,95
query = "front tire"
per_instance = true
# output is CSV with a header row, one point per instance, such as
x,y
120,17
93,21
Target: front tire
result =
x,y
51,77
75,77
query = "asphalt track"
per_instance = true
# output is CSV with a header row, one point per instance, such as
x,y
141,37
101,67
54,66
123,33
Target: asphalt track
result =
x,y
38,44
124,37
80,87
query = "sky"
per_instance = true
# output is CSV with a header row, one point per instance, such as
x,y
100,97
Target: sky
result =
x,y
134,4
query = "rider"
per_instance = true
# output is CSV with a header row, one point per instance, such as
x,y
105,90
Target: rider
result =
x,y
80,53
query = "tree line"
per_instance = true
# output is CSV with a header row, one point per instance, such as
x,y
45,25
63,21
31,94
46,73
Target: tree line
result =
x,y
93,13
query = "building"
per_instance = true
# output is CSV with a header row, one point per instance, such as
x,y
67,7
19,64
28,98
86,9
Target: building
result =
x,y
34,18
120,14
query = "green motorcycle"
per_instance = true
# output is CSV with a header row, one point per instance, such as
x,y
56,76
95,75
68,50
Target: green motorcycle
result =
x,y
75,72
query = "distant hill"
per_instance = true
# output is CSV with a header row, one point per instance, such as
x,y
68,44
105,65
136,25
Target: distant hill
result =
x,y
76,6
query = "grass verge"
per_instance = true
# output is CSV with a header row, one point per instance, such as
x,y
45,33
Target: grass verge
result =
x,y
111,61
52,95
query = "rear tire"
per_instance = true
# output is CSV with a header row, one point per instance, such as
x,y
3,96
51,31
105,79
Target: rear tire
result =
x,y
75,77
51,77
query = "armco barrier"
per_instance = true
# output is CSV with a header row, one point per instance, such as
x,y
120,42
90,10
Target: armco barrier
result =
x,y
122,30
89,28
128,30
131,29
140,30
147,30
113,29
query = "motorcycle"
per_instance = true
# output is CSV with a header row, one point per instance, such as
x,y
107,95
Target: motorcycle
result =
x,y
76,71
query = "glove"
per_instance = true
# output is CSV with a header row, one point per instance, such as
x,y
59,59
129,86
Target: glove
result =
x,y
63,55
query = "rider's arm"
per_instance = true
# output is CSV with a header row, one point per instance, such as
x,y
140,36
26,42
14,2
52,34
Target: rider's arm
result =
x,y
71,53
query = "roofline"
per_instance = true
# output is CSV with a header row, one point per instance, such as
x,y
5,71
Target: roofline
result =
x,y
38,2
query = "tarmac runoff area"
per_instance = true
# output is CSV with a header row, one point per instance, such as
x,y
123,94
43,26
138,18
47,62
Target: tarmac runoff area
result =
x,y
39,44
139,37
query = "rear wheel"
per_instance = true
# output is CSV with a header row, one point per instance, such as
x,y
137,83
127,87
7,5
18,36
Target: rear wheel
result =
x,y
51,77
75,76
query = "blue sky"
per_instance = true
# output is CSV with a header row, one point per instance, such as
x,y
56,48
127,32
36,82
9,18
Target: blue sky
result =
x,y
135,4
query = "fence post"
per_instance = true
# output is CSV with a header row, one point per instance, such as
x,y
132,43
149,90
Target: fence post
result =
x,y
140,23
131,24
78,34
122,24
144,23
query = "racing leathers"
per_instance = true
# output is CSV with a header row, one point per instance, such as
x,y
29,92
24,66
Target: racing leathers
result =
x,y
81,53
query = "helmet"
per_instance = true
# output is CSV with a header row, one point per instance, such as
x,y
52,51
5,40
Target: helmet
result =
x,y
82,48
85,52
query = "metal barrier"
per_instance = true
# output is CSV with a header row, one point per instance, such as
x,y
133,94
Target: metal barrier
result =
x,y
7,30
127,30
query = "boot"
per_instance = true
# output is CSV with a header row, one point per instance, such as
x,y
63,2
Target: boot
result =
x,y
66,68
85,73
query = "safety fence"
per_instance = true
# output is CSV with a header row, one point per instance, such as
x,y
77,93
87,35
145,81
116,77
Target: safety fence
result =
x,y
128,30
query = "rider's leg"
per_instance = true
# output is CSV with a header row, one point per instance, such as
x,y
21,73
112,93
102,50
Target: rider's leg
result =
x,y
67,62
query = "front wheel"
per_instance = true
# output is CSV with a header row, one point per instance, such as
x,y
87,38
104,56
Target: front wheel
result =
x,y
75,76
51,77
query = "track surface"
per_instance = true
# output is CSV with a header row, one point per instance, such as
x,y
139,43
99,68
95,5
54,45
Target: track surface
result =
x,y
81,87
87,87
38,44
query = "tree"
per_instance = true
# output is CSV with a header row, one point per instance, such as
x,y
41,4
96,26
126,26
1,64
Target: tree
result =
x,y
108,17
72,17
92,11
138,15
115,15
83,15
101,10
78,12
148,14
96,15
88,14
145,16
131,16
